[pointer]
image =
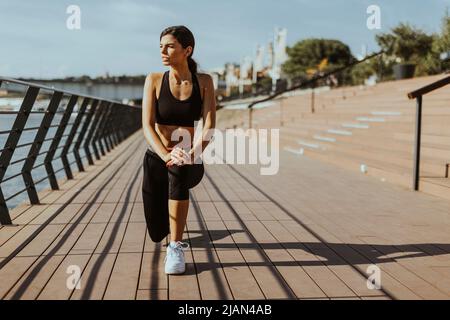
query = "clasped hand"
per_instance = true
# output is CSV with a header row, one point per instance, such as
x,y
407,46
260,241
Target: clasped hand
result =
x,y
179,157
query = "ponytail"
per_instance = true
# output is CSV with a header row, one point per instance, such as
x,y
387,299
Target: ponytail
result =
x,y
192,65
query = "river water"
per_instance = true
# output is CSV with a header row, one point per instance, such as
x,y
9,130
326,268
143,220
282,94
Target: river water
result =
x,y
16,184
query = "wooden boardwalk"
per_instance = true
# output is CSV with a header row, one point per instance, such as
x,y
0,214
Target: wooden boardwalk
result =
x,y
309,232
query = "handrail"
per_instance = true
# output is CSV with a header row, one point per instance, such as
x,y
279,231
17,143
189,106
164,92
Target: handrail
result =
x,y
428,88
418,95
103,124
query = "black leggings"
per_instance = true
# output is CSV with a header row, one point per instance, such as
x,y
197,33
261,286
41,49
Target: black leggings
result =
x,y
161,183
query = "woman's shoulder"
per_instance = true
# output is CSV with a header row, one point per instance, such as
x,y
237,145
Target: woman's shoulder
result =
x,y
204,78
203,75
155,75
153,79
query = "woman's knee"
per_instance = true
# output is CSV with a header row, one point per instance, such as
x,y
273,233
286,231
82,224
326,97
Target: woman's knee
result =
x,y
178,183
179,194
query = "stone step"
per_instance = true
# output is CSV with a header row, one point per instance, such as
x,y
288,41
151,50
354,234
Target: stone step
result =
x,y
356,125
386,113
322,138
295,151
309,144
370,119
340,132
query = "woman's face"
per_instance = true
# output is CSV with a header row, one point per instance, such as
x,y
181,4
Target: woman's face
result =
x,y
172,52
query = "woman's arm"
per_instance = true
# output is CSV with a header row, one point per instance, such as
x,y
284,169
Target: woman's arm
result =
x,y
209,119
148,119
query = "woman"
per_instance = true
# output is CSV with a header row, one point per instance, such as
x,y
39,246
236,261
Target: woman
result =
x,y
172,102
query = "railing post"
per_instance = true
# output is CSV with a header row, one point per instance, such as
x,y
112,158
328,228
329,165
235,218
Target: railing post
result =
x,y
312,99
110,126
94,127
56,140
99,129
120,128
81,135
36,147
416,173
11,143
113,126
73,131
250,111
99,135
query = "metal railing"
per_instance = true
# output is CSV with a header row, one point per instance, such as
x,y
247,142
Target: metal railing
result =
x,y
103,125
418,94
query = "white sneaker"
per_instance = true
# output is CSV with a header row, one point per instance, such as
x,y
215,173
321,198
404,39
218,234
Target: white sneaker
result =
x,y
175,262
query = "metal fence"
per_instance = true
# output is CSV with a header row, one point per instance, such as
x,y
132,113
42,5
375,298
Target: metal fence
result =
x,y
98,126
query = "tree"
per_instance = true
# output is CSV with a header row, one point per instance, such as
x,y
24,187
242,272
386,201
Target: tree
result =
x,y
362,71
406,43
441,44
310,53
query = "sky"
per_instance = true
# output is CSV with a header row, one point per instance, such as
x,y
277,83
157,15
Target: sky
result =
x,y
122,36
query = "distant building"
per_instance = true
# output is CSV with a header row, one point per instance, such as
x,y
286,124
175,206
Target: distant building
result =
x,y
240,78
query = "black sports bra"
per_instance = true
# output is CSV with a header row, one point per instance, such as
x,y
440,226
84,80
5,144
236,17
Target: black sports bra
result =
x,y
171,111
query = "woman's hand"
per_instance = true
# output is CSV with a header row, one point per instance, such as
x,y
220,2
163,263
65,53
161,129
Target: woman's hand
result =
x,y
178,156
167,158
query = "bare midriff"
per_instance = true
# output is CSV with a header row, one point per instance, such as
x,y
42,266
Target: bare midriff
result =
x,y
165,133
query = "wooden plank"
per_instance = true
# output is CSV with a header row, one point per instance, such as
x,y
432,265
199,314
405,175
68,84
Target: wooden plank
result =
x,y
151,295
41,242
12,272
241,280
211,278
185,286
8,232
31,283
124,279
89,239
11,245
273,282
59,286
112,238
64,241
133,240
152,275
68,214
95,277
212,281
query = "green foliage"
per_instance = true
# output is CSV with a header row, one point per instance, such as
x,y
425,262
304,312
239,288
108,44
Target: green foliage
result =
x,y
309,53
441,44
264,83
408,43
362,71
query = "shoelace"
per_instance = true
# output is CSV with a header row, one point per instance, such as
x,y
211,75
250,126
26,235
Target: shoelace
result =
x,y
178,248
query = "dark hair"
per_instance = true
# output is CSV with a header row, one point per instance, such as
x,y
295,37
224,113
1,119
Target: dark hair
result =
x,y
185,37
